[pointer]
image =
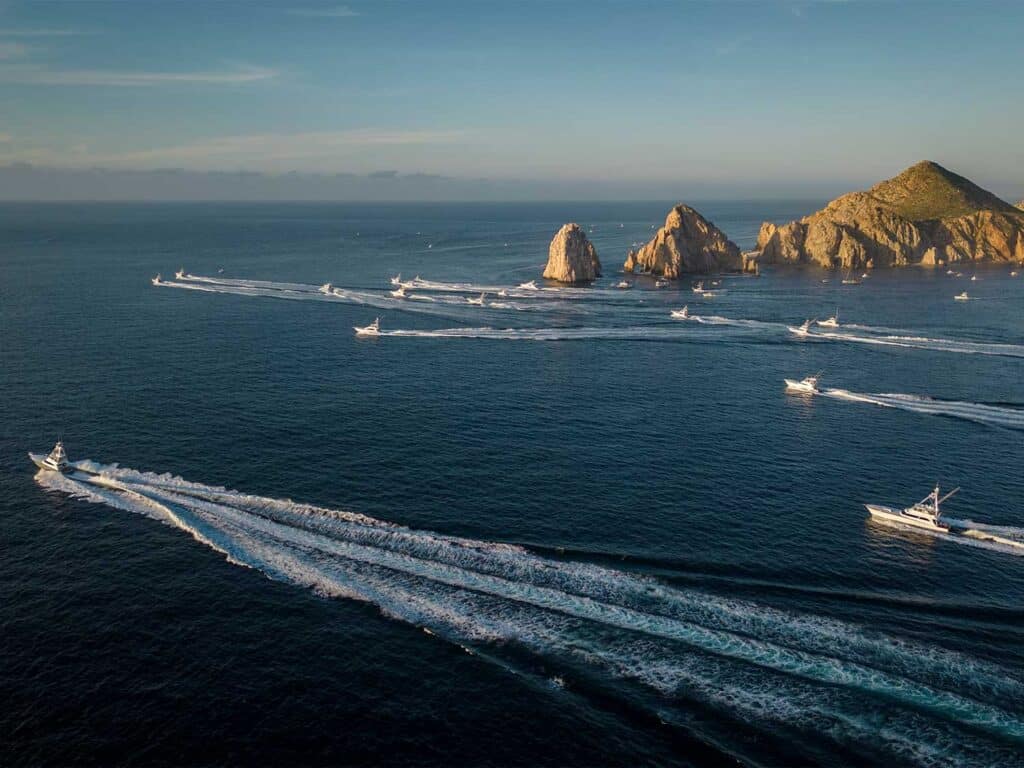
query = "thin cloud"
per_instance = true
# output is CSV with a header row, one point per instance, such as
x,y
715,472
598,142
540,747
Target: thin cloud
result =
x,y
42,32
10,51
252,151
338,12
118,79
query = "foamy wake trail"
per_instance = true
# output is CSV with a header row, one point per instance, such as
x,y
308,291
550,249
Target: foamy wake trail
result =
x,y
823,680
999,416
636,333
737,322
542,291
923,342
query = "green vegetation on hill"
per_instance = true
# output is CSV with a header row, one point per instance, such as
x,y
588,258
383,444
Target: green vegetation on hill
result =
x,y
927,191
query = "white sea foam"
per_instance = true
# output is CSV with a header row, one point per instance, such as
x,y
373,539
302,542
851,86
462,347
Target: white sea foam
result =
x,y
1001,416
749,658
923,342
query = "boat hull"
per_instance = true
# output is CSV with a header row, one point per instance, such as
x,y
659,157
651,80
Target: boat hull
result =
x,y
799,386
40,461
897,516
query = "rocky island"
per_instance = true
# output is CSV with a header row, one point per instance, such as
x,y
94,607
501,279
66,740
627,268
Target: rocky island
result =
x,y
926,215
572,258
688,243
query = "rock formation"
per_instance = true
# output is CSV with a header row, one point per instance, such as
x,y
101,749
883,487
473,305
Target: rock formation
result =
x,y
687,243
925,215
572,257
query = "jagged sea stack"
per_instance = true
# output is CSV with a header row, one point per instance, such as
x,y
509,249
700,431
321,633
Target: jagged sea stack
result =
x,y
926,215
572,257
688,243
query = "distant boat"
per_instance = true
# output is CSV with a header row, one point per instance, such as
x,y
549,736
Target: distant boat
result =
x,y
326,289
924,514
180,274
832,322
707,294
396,279
157,280
699,287
681,314
1013,273
865,276
373,329
56,461
478,302
662,283
950,272
529,286
399,292
807,386
962,296
623,285
802,330
973,278
850,279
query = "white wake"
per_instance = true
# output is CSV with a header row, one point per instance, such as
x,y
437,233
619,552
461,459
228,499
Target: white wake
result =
x,y
760,664
993,415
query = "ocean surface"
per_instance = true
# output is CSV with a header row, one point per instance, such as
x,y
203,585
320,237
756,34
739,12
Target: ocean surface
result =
x,y
558,529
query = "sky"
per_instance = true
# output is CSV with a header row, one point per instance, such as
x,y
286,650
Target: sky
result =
x,y
615,98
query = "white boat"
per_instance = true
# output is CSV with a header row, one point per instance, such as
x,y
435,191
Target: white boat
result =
x,y
326,289
924,514
950,272
708,295
681,314
807,386
477,302
56,461
530,286
851,281
625,286
396,279
974,278
802,330
1013,273
832,322
399,292
180,274
662,283
699,287
864,276
962,296
503,292
373,329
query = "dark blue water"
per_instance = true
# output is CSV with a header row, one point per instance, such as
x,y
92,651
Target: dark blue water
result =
x,y
694,580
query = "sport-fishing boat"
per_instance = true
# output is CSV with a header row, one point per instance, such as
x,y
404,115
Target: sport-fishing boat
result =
x,y
962,296
157,280
662,283
801,330
807,386
974,278
681,314
530,286
924,514
396,279
477,302
832,322
699,287
56,461
373,329
180,274
1013,273
707,294
399,292
326,289
625,286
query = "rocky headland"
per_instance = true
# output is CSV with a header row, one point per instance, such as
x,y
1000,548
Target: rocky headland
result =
x,y
572,258
926,215
688,243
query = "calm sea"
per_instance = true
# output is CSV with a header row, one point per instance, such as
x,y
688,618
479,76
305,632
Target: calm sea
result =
x,y
560,529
